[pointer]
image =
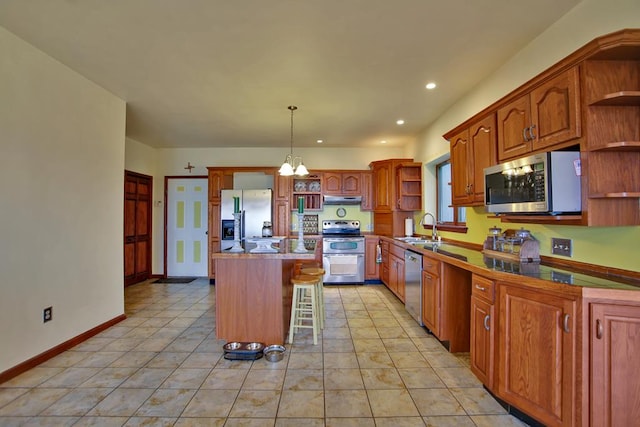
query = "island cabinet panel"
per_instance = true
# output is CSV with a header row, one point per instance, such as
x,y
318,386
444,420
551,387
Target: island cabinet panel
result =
x,y
614,339
253,299
537,360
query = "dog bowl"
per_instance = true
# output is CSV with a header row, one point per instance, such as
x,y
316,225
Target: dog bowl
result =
x,y
254,346
232,345
274,353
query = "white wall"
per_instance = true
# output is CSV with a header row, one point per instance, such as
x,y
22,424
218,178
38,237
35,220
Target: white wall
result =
x,y
612,246
171,162
61,181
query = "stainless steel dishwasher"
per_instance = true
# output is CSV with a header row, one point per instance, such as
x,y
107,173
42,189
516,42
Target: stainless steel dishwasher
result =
x,y
413,284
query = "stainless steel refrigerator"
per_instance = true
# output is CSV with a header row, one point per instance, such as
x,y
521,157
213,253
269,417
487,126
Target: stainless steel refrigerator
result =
x,y
255,206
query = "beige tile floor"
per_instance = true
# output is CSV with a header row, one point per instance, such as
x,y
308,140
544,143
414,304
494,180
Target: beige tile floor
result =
x,y
373,366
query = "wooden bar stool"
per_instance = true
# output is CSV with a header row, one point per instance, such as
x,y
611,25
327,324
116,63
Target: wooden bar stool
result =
x,y
304,306
319,274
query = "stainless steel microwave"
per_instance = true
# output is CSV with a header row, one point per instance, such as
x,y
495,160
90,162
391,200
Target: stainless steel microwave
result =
x,y
541,183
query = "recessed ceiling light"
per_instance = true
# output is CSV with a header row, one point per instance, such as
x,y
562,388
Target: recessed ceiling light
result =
x,y
430,85
383,142
400,122
319,141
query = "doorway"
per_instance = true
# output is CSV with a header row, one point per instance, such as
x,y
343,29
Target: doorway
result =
x,y
137,227
186,227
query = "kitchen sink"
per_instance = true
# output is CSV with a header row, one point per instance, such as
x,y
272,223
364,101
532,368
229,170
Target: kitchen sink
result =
x,y
414,240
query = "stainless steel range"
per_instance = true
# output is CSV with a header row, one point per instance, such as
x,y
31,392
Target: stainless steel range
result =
x,y
342,251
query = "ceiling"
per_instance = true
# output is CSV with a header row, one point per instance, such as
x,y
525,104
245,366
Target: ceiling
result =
x,y
214,73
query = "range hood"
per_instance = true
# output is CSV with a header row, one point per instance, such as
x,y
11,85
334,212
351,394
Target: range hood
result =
x,y
342,200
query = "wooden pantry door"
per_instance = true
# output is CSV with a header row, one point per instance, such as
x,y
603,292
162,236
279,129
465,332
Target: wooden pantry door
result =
x,y
137,227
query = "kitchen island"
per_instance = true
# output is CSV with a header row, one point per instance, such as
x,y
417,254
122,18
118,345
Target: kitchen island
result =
x,y
254,292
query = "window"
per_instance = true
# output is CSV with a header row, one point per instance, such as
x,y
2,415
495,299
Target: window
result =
x,y
449,218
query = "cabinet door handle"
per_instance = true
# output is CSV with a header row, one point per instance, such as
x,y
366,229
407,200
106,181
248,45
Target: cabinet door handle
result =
x,y
532,134
565,323
524,134
599,329
486,322
480,288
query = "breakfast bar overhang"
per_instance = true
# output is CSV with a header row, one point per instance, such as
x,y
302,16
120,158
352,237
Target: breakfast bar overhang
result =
x,y
254,292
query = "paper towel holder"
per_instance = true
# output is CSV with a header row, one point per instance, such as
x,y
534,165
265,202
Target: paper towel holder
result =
x,y
408,227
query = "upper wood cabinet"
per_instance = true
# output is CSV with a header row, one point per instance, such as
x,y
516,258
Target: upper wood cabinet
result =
x,y
342,183
397,185
611,152
590,100
472,150
547,116
383,188
367,191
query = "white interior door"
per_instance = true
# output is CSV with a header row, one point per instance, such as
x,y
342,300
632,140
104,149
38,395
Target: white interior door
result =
x,y
187,227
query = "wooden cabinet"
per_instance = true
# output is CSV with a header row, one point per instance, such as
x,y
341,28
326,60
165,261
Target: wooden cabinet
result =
x,y
614,331
612,120
472,150
431,295
537,360
282,205
547,116
397,190
446,296
310,189
395,281
409,182
383,188
342,183
371,266
384,265
483,327
367,191
216,185
396,276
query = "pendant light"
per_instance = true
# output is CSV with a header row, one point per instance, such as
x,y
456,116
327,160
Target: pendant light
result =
x,y
293,165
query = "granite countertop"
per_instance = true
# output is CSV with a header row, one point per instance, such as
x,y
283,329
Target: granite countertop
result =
x,y
535,270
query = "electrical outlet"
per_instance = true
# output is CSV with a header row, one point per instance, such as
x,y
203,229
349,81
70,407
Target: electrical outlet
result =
x,y
47,314
561,246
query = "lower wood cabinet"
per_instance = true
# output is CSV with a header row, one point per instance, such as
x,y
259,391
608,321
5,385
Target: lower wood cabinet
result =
x,y
614,338
431,295
483,327
396,276
371,266
537,360
392,268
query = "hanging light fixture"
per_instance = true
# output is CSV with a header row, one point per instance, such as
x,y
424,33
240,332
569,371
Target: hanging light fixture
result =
x,y
293,165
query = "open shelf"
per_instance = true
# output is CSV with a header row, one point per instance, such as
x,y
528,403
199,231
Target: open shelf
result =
x,y
620,146
622,98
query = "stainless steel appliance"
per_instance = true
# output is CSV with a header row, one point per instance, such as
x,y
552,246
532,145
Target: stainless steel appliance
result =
x,y
542,183
255,206
413,284
342,252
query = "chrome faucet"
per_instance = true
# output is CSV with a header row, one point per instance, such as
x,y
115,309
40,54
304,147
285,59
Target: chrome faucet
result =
x,y
434,230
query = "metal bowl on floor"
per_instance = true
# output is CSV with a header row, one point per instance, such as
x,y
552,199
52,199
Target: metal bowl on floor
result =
x,y
232,345
253,346
274,353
